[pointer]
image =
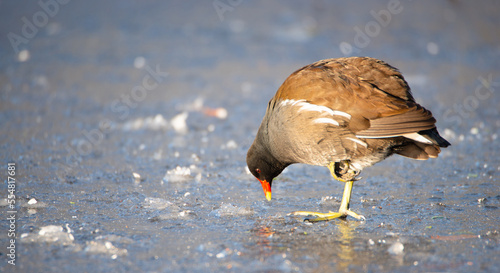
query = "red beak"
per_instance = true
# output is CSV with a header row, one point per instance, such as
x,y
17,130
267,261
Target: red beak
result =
x,y
267,189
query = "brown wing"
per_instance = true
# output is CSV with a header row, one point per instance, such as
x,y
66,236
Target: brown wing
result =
x,y
414,120
374,93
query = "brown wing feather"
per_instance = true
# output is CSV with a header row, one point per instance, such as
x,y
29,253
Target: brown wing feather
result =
x,y
374,93
415,119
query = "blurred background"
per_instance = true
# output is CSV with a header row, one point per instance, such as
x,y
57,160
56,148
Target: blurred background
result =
x,y
129,123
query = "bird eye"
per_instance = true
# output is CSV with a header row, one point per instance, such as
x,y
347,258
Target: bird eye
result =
x,y
257,170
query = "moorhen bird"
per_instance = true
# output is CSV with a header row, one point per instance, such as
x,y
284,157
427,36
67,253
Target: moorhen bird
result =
x,y
345,114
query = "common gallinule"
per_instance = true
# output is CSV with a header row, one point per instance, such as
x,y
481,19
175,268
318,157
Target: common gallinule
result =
x,y
345,114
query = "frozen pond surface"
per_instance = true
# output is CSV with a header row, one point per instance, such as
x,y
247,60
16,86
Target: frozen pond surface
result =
x,y
129,123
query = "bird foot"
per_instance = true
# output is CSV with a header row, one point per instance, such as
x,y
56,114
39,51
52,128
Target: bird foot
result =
x,y
318,216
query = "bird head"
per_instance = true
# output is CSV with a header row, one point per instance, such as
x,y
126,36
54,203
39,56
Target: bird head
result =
x,y
264,167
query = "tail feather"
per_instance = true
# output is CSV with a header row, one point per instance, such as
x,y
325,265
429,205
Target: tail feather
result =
x,y
434,136
416,149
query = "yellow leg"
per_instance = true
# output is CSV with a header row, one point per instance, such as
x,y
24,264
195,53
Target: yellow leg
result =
x,y
342,213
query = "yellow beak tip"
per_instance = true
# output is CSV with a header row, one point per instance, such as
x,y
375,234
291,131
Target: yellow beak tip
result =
x,y
268,196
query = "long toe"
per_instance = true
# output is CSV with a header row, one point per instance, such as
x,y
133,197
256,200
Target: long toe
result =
x,y
355,215
319,216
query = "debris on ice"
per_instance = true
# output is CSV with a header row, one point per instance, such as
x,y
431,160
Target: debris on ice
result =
x,y
231,144
178,174
224,253
137,177
185,213
68,228
165,210
396,248
50,229
196,105
220,112
33,204
154,123
230,210
104,247
328,200
49,234
179,123
156,203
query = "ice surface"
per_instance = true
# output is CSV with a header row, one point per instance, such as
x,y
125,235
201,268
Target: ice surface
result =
x,y
49,234
162,209
193,106
227,209
114,239
329,201
78,127
50,229
178,174
104,247
156,203
33,203
157,122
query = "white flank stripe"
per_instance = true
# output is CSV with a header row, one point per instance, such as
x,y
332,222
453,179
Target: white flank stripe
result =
x,y
318,108
340,113
326,120
305,106
311,107
290,102
358,141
